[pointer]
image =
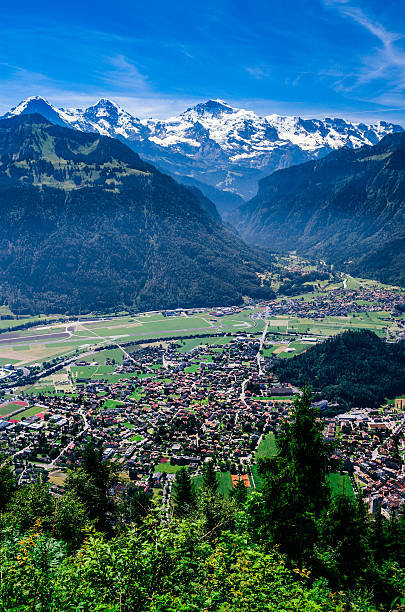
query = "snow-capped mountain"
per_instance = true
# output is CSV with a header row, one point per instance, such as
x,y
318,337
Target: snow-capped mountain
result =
x,y
212,143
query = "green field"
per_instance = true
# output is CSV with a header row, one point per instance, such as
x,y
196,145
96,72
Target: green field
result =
x,y
267,447
224,480
192,369
27,413
189,343
114,354
167,468
110,403
340,484
4,410
129,426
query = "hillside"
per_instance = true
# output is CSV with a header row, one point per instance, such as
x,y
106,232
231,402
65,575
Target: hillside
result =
x,y
87,225
353,369
222,150
348,208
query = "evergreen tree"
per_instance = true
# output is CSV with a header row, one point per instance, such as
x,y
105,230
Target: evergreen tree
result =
x,y
302,446
139,505
7,484
345,529
183,493
295,489
91,482
239,493
209,477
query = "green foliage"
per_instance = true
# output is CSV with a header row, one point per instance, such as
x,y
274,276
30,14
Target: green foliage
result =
x,y
29,504
209,477
288,547
7,484
159,568
90,484
183,493
240,493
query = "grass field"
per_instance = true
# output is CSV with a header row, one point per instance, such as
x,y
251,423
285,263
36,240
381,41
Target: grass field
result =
x,y
224,479
126,328
110,403
340,484
258,480
167,468
4,410
189,343
192,369
128,425
27,413
267,447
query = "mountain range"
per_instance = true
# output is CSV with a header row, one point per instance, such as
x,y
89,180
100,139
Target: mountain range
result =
x,y
87,225
224,151
348,208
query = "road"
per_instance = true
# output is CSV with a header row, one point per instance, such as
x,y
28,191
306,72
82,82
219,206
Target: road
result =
x,y
262,339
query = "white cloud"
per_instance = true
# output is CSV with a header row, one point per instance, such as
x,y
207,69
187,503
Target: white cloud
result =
x,y
258,72
124,75
386,64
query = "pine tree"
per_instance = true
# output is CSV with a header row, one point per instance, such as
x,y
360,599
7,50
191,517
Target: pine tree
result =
x,y
209,478
302,446
239,493
295,490
183,493
7,484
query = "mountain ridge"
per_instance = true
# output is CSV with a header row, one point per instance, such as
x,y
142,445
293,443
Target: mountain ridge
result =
x,y
348,207
213,143
88,225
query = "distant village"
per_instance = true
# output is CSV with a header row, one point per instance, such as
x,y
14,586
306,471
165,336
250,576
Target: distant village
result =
x,y
160,407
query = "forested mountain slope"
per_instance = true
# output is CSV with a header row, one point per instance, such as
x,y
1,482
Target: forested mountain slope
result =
x,y
354,369
86,224
348,208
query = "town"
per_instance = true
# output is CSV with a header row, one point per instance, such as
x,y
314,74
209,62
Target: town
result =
x,y
165,403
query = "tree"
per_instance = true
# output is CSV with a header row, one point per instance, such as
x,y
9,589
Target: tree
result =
x,y
209,477
295,489
140,505
183,493
70,520
344,529
7,484
239,493
91,482
30,503
302,446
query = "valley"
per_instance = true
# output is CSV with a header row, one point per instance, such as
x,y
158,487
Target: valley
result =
x,y
202,306
171,388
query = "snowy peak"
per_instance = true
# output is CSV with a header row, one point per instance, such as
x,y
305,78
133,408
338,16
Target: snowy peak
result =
x,y
329,133
213,142
211,108
37,105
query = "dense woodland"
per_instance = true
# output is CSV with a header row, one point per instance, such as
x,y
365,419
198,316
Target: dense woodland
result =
x,y
295,283
86,225
347,208
286,547
353,369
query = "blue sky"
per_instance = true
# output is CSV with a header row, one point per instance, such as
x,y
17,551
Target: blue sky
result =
x,y
156,58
